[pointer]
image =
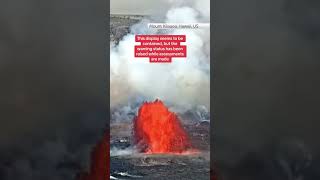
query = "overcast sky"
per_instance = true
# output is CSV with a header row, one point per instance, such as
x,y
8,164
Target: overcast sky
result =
x,y
136,7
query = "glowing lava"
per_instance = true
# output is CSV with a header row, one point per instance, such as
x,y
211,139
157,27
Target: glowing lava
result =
x,y
157,130
100,161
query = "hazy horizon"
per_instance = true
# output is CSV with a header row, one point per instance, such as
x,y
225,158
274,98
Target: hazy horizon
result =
x,y
137,7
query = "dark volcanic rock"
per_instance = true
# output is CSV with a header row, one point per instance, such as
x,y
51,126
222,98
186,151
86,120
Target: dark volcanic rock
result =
x,y
188,167
120,26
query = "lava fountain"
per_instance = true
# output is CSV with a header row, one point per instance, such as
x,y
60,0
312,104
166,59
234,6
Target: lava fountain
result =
x,y
157,130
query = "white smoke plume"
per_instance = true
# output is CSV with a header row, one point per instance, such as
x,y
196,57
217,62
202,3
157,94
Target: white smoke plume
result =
x,y
114,151
184,82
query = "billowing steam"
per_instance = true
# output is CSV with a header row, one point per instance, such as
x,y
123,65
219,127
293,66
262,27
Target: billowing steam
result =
x,y
184,82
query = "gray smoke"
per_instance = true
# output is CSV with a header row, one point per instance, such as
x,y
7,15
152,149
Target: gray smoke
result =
x,y
266,86
184,83
53,91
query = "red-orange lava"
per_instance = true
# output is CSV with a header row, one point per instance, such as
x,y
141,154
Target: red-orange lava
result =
x,y
157,130
100,161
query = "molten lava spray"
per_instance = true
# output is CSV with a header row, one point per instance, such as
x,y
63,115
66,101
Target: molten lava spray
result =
x,y
100,161
157,130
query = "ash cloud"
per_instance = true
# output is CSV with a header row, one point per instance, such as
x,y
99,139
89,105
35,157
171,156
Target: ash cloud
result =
x,y
266,87
53,86
183,83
